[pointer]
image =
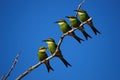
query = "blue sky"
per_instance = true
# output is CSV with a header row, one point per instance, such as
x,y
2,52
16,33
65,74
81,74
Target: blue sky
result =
x,y
25,23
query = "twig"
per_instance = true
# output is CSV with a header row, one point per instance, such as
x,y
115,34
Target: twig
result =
x,y
2,77
50,57
79,6
12,67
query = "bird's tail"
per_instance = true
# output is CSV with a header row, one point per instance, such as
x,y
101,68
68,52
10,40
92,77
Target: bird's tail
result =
x,y
48,66
85,34
77,38
93,28
65,62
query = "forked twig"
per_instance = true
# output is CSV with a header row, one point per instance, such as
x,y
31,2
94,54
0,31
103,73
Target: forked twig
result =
x,y
12,67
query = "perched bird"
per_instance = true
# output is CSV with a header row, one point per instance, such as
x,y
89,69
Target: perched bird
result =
x,y
75,23
42,55
52,47
64,27
83,15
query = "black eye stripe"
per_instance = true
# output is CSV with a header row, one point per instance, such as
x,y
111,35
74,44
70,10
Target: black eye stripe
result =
x,y
72,17
61,21
48,40
42,48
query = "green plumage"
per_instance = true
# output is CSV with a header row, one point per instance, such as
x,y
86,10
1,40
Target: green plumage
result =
x,y
83,15
42,56
74,22
52,47
64,27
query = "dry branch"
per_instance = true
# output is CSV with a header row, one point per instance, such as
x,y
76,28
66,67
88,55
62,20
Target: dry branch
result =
x,y
79,6
11,68
50,57
2,77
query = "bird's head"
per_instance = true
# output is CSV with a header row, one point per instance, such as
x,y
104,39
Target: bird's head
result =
x,y
71,17
80,11
60,22
49,41
42,49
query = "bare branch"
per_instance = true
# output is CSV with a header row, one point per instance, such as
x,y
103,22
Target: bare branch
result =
x,y
50,57
12,67
79,6
2,77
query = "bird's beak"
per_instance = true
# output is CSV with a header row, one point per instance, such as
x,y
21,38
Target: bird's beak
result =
x,y
46,48
44,40
76,10
56,22
67,17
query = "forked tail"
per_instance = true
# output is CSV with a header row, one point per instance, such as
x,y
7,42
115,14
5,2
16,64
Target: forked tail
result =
x,y
48,66
65,62
86,35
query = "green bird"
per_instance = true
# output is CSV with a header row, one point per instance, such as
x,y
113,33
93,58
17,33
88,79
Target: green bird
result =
x,y
42,56
75,23
83,15
52,47
64,27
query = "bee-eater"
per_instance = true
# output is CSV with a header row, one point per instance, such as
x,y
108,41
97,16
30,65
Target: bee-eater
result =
x,y
64,27
75,23
42,55
83,15
52,47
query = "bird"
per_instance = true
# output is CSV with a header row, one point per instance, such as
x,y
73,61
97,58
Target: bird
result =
x,y
52,48
74,22
64,27
42,55
83,15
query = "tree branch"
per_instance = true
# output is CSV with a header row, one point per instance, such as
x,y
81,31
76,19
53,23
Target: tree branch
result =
x,y
2,77
79,6
50,57
12,67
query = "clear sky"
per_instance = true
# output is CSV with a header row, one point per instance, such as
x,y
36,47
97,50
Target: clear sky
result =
x,y
25,23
